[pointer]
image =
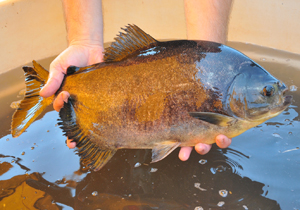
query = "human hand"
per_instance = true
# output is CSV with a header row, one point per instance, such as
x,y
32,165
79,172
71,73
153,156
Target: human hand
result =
x,y
75,55
221,140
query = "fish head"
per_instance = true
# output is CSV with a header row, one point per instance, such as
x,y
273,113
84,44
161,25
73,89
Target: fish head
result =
x,y
255,95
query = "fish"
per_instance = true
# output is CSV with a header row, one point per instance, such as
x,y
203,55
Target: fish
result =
x,y
149,94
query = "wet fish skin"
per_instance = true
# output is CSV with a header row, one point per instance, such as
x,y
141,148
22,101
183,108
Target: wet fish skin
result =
x,y
158,95
182,93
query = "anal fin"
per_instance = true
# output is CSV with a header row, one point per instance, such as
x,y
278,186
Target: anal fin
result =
x,y
90,153
163,149
95,157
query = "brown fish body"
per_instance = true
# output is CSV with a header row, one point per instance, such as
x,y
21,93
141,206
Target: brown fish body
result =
x,y
157,95
145,100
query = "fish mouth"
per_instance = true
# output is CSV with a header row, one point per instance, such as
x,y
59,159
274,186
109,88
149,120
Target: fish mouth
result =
x,y
286,102
287,99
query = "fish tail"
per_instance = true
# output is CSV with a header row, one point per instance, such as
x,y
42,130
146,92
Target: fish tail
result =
x,y
33,104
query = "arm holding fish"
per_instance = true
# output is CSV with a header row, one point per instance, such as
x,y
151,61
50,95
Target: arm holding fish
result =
x,y
85,40
86,47
207,19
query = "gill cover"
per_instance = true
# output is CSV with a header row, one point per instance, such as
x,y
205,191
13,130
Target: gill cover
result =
x,y
252,92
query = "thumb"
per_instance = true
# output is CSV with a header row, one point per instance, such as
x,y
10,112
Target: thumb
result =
x,y
54,81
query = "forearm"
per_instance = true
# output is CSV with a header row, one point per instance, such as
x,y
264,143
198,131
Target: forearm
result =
x,y
207,19
84,21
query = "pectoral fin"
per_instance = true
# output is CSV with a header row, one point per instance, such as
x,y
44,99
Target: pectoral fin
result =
x,y
161,150
213,118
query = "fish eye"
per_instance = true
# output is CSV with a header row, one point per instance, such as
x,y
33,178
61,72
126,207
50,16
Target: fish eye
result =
x,y
268,90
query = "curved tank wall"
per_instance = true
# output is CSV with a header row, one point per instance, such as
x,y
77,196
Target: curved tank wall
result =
x,y
34,29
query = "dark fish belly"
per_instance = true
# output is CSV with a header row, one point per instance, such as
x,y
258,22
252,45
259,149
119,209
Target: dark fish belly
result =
x,y
132,136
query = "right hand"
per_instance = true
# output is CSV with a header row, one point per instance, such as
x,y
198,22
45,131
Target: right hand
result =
x,y
75,55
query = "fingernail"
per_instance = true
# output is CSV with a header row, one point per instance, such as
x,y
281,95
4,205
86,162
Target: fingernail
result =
x,y
64,97
202,149
206,148
222,140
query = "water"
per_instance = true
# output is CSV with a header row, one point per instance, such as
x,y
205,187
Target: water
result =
x,y
260,170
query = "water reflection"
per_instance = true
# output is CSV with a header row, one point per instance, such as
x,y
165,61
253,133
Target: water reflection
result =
x,y
120,185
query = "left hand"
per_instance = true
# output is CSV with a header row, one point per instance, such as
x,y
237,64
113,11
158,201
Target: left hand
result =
x,y
221,140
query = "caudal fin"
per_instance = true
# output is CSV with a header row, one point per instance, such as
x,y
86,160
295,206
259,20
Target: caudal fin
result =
x,y
33,104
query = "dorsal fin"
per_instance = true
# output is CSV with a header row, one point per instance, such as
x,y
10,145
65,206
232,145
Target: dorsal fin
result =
x,y
127,43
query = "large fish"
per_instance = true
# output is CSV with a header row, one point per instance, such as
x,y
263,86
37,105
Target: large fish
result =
x,y
156,95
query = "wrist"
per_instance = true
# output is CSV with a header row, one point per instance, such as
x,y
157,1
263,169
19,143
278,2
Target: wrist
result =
x,y
84,22
87,42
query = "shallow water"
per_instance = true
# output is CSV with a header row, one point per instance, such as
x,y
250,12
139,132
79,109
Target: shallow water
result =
x,y
260,170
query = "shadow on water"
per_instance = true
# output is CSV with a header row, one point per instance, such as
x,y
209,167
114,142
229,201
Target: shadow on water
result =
x,y
260,170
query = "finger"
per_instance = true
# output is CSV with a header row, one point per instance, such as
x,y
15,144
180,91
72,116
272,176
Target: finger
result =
x,y
223,141
184,153
60,100
202,149
54,81
71,144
